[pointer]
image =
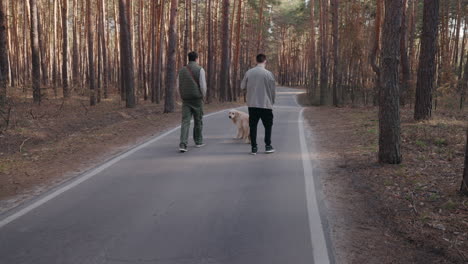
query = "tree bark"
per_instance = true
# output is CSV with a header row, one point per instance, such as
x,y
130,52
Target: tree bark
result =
x,y
187,30
336,74
91,76
159,68
169,103
236,78
66,92
464,83
376,49
457,30
105,64
155,25
464,185
210,61
75,51
42,51
35,55
260,28
389,110
225,56
313,59
405,67
126,61
323,52
53,48
3,55
427,61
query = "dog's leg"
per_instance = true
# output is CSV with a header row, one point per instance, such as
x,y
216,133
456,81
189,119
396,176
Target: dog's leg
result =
x,y
246,129
239,133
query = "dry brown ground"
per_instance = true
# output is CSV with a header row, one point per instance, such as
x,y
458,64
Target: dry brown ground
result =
x,y
45,145
408,213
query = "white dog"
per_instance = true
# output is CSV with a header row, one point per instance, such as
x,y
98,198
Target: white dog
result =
x,y
241,120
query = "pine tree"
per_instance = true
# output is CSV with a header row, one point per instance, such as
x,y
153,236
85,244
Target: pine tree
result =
x,y
35,53
169,103
427,61
3,55
389,105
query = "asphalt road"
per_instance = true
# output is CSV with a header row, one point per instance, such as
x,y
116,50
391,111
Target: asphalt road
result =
x,y
217,204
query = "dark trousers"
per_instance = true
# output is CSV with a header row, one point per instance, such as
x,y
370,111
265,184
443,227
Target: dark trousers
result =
x,y
266,115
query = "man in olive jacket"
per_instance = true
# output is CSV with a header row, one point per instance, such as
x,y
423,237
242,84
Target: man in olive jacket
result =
x,y
192,86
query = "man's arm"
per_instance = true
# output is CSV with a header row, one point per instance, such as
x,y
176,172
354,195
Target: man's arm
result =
x,y
244,83
273,92
273,88
203,87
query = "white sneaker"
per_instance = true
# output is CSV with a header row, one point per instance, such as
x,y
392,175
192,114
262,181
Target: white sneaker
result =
x,y
200,145
183,148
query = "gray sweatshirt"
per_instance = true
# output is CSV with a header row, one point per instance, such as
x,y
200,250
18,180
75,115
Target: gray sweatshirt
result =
x,y
261,87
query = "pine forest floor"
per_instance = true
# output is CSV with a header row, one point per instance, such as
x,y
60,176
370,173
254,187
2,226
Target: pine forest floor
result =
x,y
407,213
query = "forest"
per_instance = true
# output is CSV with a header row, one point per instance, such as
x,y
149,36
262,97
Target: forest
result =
x,y
333,48
336,49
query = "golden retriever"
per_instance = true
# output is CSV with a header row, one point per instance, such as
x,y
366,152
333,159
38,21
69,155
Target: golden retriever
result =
x,y
241,120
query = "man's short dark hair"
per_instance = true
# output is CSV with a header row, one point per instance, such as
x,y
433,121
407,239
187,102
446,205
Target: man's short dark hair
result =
x,y
261,58
192,56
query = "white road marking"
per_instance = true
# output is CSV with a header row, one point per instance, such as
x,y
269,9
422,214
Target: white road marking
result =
x,y
86,176
317,235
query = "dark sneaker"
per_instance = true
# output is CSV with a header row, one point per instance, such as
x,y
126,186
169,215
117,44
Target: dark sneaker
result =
x,y
183,148
269,149
200,145
254,151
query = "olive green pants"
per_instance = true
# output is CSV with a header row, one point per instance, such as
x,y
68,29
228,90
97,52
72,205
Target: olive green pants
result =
x,y
189,109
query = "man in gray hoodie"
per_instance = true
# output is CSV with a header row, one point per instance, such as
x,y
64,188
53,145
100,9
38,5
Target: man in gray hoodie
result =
x,y
260,85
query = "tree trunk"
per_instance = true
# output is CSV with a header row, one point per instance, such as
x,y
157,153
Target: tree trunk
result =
x,y
313,59
427,61
405,67
210,62
169,103
235,78
260,28
53,48
35,55
42,52
187,30
376,49
464,83
464,185
389,110
159,66
75,51
155,25
105,65
323,52
457,34
126,59
336,74
225,56
66,92
91,77
3,55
